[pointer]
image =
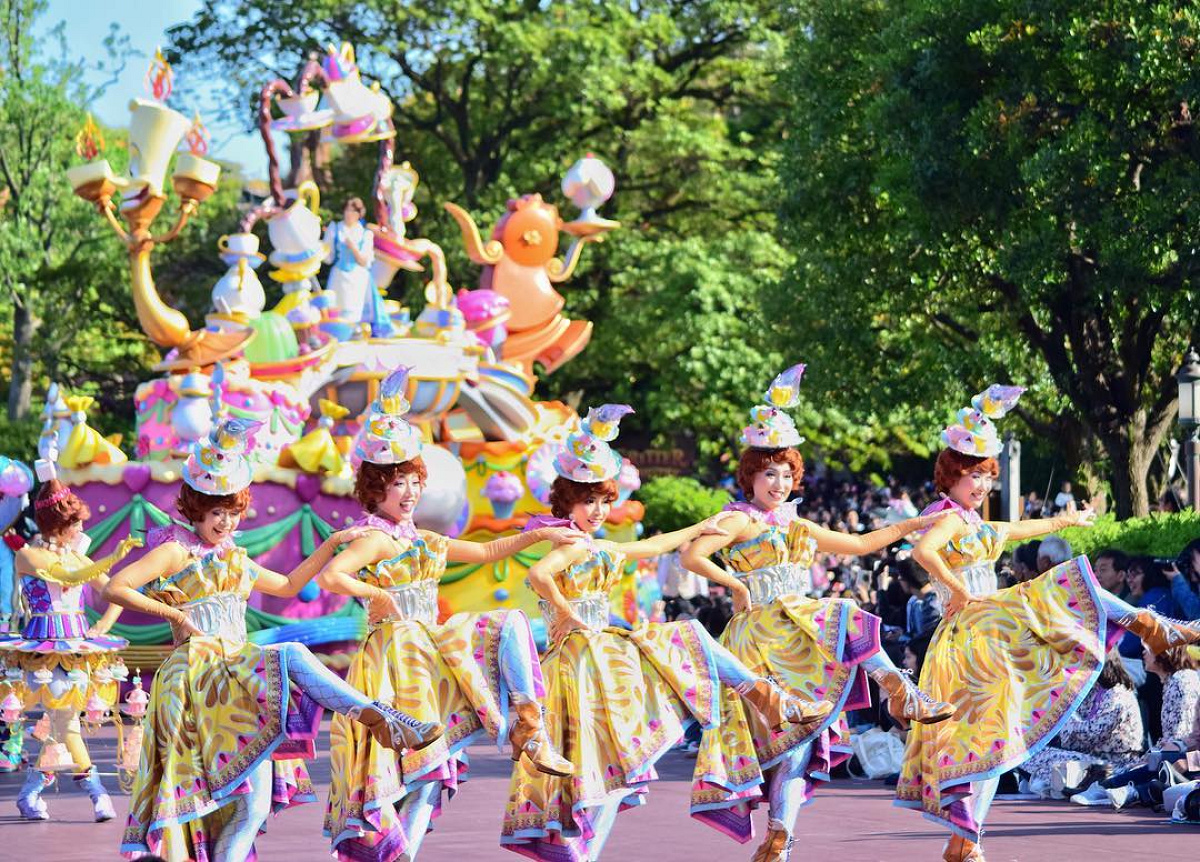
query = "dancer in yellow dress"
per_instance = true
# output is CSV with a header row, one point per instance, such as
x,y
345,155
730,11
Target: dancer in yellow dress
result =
x,y
58,663
1016,663
463,673
617,700
227,718
818,648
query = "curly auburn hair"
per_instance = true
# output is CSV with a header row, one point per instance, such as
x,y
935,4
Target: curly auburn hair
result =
x,y
194,505
372,481
952,466
754,461
53,519
566,494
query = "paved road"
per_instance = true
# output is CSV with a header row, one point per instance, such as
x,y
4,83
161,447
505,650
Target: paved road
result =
x,y
849,822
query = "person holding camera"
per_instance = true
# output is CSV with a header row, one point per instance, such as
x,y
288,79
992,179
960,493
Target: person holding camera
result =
x,y
1183,575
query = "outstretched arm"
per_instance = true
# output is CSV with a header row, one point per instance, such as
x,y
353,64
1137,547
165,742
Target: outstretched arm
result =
x,y
285,586
665,543
104,625
927,555
1019,531
57,573
459,551
834,542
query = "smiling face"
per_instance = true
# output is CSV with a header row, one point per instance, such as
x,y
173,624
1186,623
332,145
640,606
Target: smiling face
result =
x,y
769,476
402,497
972,489
590,513
773,486
587,504
217,525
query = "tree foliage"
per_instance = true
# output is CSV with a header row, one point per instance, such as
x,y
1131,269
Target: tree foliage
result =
x,y
66,308
675,502
999,190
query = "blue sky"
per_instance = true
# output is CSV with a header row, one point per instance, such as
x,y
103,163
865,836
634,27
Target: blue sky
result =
x,y
145,22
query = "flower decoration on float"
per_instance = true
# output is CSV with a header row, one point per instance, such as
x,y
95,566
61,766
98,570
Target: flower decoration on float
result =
x,y
770,427
974,432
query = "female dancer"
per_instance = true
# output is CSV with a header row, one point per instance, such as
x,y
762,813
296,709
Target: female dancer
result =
x,y
474,664
618,700
57,662
1016,663
225,713
820,648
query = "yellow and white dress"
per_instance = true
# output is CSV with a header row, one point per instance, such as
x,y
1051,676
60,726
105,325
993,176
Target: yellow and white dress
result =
x,y
814,648
1016,667
220,705
616,701
452,672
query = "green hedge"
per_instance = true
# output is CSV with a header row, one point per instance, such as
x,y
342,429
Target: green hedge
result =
x,y
675,502
1155,536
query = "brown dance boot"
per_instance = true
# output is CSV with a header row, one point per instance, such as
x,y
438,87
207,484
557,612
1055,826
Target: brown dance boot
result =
x,y
776,847
908,703
396,730
779,707
1161,633
959,849
529,739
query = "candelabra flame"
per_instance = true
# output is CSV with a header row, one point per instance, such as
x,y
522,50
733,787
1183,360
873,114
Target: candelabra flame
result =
x,y
89,142
159,77
198,138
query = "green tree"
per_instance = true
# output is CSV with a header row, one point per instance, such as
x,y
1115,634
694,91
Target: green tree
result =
x,y
999,190
55,273
498,97
67,311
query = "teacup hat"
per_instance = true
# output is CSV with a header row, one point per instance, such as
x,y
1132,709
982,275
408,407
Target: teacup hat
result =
x,y
386,436
770,427
974,433
586,455
219,463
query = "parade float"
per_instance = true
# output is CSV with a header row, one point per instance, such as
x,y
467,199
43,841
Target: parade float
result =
x,y
308,366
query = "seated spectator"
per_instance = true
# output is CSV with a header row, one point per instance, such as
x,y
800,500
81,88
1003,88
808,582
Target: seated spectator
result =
x,y
1034,507
1178,670
1064,500
1111,567
1025,561
1104,734
924,610
1053,551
